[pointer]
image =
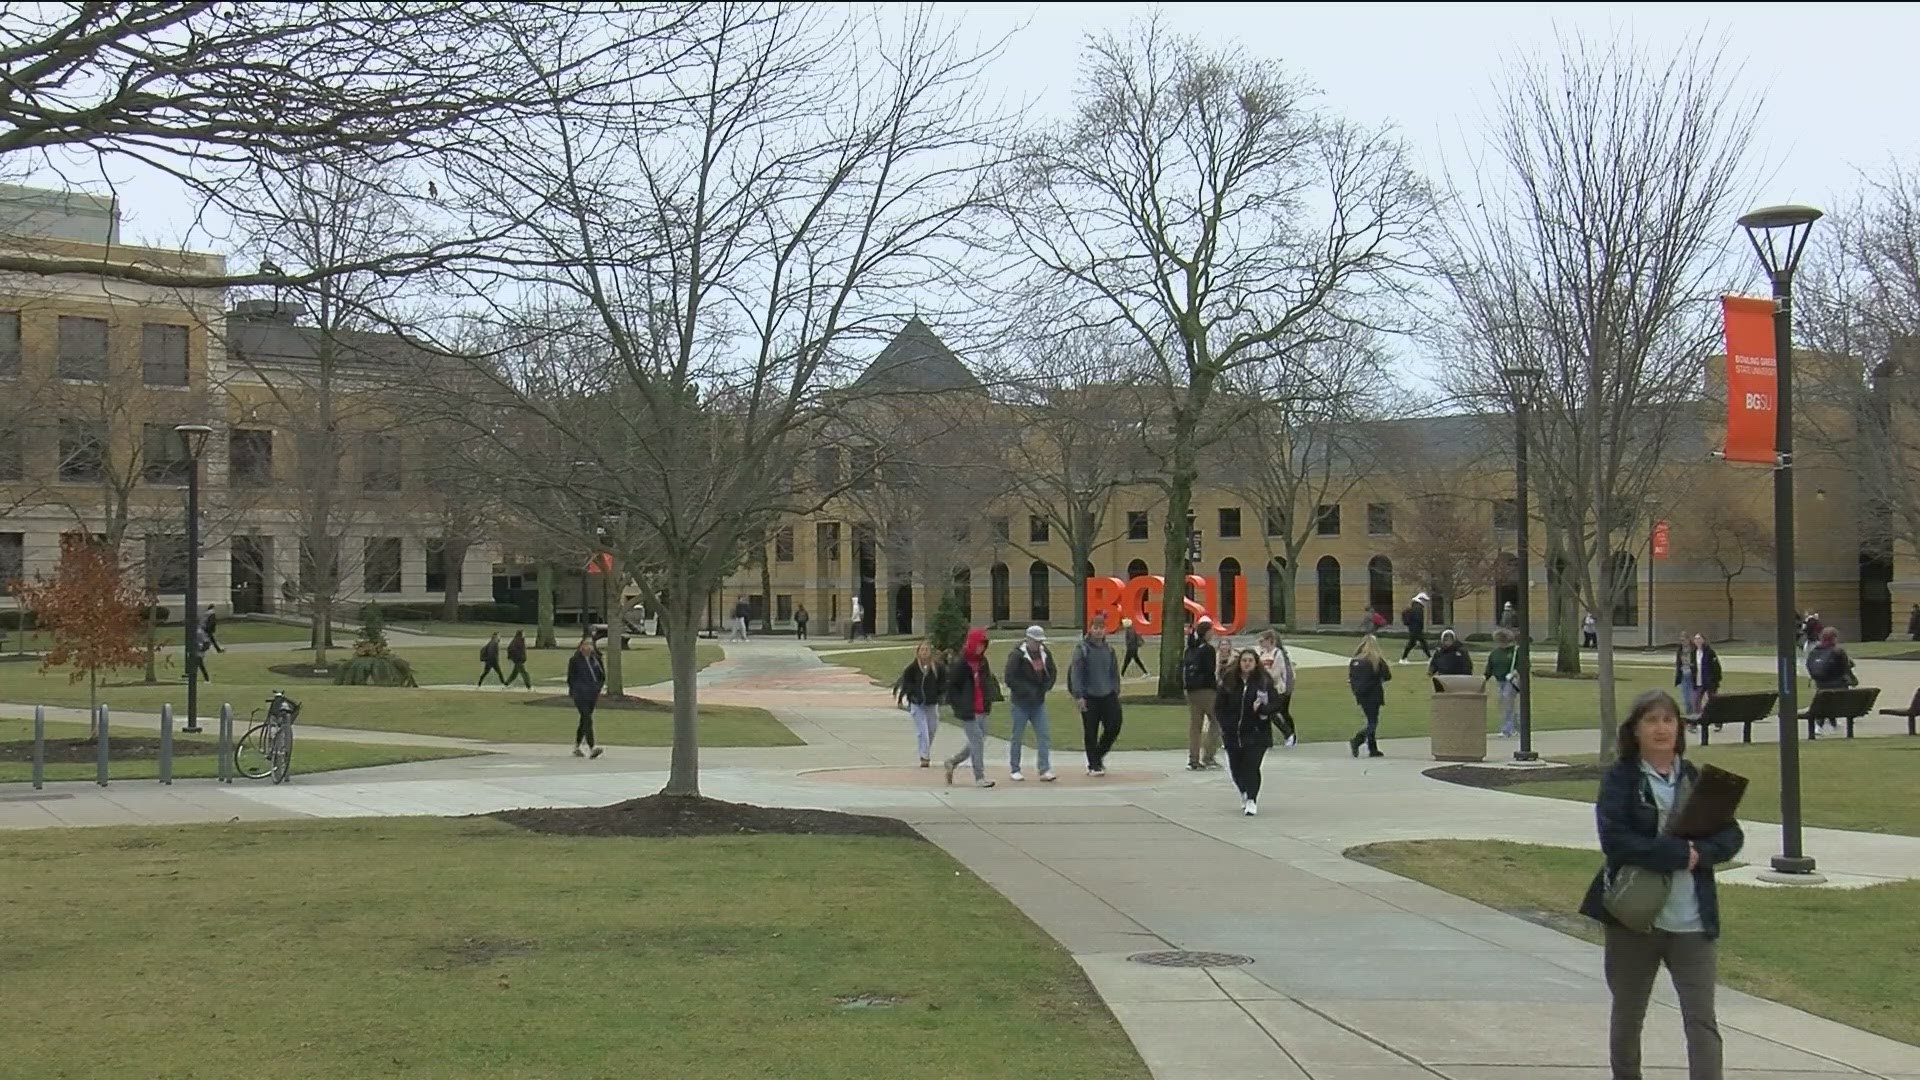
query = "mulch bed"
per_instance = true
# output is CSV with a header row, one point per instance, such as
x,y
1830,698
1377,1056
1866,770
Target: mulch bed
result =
x,y
681,815
82,751
627,704
304,671
1482,777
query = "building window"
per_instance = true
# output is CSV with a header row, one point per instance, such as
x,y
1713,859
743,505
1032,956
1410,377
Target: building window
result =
x,y
1277,598
783,545
82,450
438,568
1229,589
1002,530
83,349
826,468
1136,524
1327,571
1380,585
1626,586
1136,568
1229,523
1326,521
9,345
963,591
1039,584
1037,529
1276,522
163,354
166,558
860,468
783,607
1001,592
380,463
1506,515
163,455
249,457
13,461
826,541
382,564
13,557
1379,519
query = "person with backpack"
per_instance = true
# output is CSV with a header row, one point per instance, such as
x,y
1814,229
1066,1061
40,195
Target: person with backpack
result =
x,y
1452,657
517,656
1415,620
1367,676
1503,668
1244,705
1030,675
1279,665
1810,629
490,660
918,690
1198,676
800,619
586,676
210,622
1830,668
971,692
1134,642
742,612
1093,678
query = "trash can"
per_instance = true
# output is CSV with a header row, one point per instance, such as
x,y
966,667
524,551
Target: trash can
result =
x,y
1459,731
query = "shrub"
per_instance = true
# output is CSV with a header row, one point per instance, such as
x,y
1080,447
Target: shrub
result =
x,y
948,628
373,664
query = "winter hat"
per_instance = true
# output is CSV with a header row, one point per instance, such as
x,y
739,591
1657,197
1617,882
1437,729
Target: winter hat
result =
x,y
1124,623
1035,633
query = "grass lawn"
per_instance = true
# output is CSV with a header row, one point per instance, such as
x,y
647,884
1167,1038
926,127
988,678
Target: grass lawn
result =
x,y
1846,954
196,757
1866,785
230,632
500,716
565,634
1323,707
362,948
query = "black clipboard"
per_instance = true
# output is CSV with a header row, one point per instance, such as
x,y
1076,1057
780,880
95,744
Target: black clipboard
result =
x,y
1711,806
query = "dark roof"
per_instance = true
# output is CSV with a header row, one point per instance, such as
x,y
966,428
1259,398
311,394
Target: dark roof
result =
x,y
916,360
276,342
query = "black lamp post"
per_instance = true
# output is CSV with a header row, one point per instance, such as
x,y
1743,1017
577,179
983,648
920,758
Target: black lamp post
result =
x,y
1779,236
1522,381
194,437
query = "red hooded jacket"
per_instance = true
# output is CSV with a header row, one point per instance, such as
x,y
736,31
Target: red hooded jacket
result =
x,y
971,687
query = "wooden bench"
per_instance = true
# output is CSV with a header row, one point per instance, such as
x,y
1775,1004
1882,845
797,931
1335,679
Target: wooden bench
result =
x,y
1744,709
1911,712
1849,705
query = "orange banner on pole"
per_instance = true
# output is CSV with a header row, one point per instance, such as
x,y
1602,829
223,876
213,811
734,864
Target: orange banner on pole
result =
x,y
1661,546
1752,378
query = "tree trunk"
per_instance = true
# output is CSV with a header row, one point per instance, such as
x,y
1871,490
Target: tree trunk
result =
x,y
681,616
452,560
766,593
1173,613
1729,592
616,625
1609,704
1081,557
153,644
543,635
93,703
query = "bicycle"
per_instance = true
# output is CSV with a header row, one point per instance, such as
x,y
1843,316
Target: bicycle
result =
x,y
267,747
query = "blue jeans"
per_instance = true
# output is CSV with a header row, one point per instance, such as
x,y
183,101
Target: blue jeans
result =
x,y
1509,708
1037,716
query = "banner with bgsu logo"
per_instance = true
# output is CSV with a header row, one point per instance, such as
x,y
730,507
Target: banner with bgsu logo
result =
x,y
1751,378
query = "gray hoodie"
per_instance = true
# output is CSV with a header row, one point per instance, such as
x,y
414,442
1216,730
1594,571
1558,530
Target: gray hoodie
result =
x,y
1094,671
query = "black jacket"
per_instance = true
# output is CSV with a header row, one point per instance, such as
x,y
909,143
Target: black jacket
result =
x,y
585,677
1414,619
1629,822
1839,673
959,684
1913,622
917,687
490,652
517,650
1199,666
1244,719
1709,677
1025,686
1368,683
742,610
1453,659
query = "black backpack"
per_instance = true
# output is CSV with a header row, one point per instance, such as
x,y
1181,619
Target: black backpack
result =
x,y
1195,668
1823,665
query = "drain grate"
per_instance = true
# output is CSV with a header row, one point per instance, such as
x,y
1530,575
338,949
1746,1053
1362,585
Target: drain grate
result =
x,y
1184,959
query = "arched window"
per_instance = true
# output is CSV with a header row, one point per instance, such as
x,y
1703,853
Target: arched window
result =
x,y
1279,603
963,590
1038,581
1000,589
1380,585
1229,573
1328,572
1626,586
1137,568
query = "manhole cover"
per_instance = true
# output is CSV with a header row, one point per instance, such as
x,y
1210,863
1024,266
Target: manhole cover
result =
x,y
1184,959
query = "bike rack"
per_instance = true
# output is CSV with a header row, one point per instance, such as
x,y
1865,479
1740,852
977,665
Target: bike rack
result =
x,y
100,768
225,751
39,746
166,743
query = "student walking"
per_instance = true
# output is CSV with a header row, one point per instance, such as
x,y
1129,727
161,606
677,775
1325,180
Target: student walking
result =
x,y
1637,796
1030,676
490,660
1589,632
1245,705
1367,676
1134,642
210,623
1198,674
1696,671
971,692
1830,668
1415,620
586,676
1452,658
857,622
202,641
517,656
1913,623
742,611
1503,668
800,618
1093,678
1279,665
918,690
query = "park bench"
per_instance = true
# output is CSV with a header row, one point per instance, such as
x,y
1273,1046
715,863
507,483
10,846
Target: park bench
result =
x,y
1911,712
1849,705
1744,709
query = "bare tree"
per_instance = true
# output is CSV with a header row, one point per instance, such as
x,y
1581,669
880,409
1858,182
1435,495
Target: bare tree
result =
x,y
1591,253
1443,544
1734,540
1199,201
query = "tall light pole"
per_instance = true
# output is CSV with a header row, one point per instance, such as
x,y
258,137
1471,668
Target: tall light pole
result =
x,y
1779,236
194,438
1522,382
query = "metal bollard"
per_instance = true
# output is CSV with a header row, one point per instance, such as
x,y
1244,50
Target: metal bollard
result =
x,y
225,749
166,743
100,769
39,746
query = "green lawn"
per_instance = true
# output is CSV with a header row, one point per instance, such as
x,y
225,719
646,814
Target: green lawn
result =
x,y
363,948
501,716
566,635
1846,954
196,757
230,632
1323,707
1866,785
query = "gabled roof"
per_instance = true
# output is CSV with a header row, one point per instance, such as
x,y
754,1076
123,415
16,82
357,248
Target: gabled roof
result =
x,y
916,360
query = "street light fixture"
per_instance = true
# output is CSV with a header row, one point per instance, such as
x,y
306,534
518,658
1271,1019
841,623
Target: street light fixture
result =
x,y
1522,383
194,437
1779,237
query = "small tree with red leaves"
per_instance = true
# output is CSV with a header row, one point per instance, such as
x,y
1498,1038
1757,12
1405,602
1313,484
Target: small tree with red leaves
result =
x,y
92,614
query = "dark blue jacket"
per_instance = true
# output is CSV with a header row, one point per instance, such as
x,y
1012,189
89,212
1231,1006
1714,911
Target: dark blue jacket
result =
x,y
1629,823
585,677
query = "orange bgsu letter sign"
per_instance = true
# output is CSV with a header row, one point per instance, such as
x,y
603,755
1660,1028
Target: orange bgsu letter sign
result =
x,y
1751,378
1140,599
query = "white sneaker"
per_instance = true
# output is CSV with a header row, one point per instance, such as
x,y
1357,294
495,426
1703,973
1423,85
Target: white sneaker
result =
x,y
1253,808
1016,775
983,783
1293,740
1243,803
1047,776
